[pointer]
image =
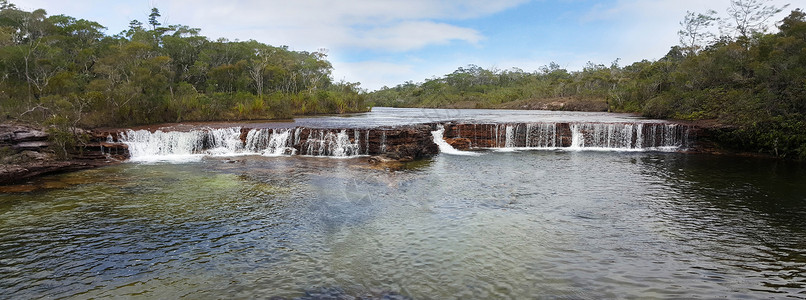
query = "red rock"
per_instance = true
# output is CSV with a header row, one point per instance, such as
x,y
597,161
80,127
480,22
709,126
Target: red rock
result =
x,y
459,143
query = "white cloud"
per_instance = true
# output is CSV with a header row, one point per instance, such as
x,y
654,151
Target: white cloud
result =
x,y
407,36
390,25
363,24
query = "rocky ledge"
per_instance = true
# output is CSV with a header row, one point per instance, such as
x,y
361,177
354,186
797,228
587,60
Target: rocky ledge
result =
x,y
26,152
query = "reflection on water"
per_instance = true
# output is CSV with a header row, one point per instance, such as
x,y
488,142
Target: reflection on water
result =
x,y
503,225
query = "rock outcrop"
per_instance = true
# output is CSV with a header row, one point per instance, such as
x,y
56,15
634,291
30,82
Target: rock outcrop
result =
x,y
25,153
406,143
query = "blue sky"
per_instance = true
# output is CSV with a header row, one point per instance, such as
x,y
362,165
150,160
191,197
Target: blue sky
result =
x,y
385,42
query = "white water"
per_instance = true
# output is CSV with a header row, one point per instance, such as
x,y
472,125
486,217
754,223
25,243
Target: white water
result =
x,y
146,146
181,146
446,148
270,142
184,146
328,143
591,137
628,137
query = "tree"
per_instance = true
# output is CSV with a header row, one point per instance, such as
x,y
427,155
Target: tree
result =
x,y
794,25
152,18
5,5
695,29
134,26
67,67
750,17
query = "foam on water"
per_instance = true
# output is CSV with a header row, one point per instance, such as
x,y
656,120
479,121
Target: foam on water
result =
x,y
446,148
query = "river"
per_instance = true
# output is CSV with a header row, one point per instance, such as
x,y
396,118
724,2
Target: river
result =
x,y
514,224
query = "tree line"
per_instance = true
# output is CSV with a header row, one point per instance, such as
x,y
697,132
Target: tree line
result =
x,y
60,70
748,80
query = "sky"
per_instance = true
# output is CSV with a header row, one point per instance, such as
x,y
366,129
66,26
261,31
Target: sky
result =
x,y
384,42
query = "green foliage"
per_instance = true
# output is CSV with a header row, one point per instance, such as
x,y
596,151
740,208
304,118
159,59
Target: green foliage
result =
x,y
62,66
783,136
64,138
754,83
489,88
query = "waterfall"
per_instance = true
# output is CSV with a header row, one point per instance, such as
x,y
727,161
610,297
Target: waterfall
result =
x,y
180,146
334,144
274,142
509,141
636,136
383,141
446,148
629,136
366,142
541,136
145,145
193,145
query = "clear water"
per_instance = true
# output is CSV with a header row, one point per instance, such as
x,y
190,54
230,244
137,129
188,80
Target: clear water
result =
x,y
520,225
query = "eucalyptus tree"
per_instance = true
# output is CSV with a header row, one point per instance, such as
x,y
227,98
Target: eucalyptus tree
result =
x,y
749,17
695,30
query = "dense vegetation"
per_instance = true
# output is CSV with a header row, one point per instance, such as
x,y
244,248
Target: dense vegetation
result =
x,y
64,71
752,82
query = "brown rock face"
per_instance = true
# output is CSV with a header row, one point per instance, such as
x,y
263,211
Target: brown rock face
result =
x,y
459,143
407,142
25,153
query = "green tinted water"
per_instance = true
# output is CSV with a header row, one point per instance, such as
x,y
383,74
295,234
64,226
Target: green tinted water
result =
x,y
502,225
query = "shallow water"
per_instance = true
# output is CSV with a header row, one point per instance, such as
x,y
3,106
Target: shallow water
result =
x,y
522,224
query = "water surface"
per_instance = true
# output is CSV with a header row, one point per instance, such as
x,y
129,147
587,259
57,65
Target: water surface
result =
x,y
390,117
520,225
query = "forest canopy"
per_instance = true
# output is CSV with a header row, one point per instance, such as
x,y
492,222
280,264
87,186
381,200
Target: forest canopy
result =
x,y
60,70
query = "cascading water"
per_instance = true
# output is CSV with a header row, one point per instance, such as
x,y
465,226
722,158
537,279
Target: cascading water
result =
x,y
383,141
154,146
328,143
637,136
193,145
271,142
629,136
544,135
509,142
446,148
